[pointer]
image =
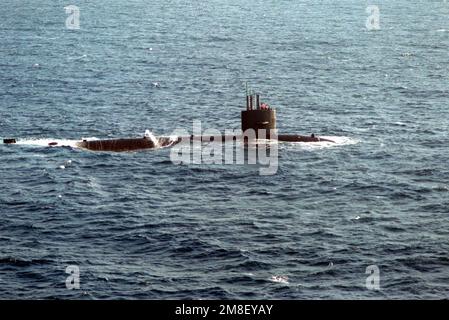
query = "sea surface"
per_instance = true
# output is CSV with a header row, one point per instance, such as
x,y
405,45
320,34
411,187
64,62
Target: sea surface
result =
x,y
139,226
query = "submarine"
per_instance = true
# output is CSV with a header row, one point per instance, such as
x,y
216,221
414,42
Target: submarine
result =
x,y
257,117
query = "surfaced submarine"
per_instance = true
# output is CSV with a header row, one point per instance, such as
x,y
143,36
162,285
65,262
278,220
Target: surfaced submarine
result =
x,y
258,117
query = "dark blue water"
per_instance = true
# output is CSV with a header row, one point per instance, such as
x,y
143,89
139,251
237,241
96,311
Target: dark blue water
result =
x,y
139,226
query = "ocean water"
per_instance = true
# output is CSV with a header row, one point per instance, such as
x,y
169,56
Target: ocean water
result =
x,y
140,227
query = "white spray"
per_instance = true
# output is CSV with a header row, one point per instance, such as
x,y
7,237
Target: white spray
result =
x,y
149,135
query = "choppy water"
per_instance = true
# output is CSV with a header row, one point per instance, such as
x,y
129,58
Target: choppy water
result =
x,y
139,226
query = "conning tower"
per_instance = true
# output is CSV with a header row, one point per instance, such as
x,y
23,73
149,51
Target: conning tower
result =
x,y
258,116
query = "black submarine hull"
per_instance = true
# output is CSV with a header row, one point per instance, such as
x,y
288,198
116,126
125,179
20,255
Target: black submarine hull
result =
x,y
135,144
123,145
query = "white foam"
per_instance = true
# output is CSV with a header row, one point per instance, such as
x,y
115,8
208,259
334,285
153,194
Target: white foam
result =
x,y
149,135
337,142
279,279
341,141
45,142
172,140
90,138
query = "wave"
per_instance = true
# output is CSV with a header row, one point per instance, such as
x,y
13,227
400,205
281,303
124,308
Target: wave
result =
x,y
46,142
338,142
